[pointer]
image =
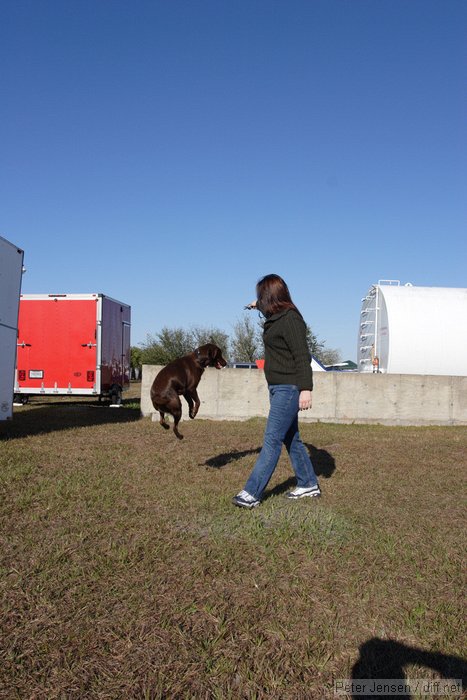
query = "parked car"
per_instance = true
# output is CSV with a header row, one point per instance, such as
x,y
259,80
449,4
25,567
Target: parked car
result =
x,y
243,365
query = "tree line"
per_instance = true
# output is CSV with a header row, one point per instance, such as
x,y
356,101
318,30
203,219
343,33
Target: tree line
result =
x,y
245,344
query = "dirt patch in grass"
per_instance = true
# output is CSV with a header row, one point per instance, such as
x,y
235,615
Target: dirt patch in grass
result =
x,y
127,573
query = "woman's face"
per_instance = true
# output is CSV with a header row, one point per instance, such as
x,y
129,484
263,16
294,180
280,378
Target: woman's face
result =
x,y
258,299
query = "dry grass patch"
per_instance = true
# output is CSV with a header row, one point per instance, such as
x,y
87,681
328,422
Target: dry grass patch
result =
x,y
127,573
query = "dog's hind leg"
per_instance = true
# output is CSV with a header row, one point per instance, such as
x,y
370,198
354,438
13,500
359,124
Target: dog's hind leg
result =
x,y
162,420
174,407
176,416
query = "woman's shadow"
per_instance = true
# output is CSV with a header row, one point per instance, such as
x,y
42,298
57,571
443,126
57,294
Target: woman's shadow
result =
x,y
386,659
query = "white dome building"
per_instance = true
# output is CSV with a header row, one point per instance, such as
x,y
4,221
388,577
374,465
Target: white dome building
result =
x,y
413,330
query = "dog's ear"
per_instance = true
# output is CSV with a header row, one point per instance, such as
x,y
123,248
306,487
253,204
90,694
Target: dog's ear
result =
x,y
208,352
203,355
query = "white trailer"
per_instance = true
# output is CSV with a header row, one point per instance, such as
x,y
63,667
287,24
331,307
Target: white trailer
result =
x,y
405,329
11,268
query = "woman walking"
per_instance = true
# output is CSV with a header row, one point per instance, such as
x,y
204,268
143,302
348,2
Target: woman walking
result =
x,y
289,376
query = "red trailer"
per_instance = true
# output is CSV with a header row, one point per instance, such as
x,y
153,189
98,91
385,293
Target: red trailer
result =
x,y
72,344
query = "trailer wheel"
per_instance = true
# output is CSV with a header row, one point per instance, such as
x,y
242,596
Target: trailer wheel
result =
x,y
20,398
115,396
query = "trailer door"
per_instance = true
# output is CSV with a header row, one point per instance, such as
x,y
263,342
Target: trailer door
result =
x,y
57,345
126,359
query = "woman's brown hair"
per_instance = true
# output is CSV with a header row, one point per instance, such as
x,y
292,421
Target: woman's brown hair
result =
x,y
273,296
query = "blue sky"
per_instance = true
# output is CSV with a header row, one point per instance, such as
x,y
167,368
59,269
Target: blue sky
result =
x,y
170,153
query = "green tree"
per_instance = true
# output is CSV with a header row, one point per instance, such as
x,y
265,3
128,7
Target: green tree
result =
x,y
327,356
171,343
167,345
246,343
201,336
316,346
136,355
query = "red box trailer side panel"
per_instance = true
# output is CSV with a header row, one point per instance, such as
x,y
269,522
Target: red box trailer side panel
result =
x,y
57,343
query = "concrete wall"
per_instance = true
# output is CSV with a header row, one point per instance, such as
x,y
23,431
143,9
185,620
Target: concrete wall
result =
x,y
338,397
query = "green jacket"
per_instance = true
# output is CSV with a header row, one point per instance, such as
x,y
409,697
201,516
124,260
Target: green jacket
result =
x,y
287,357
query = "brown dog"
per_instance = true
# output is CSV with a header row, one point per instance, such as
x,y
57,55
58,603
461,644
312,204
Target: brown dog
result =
x,y
181,378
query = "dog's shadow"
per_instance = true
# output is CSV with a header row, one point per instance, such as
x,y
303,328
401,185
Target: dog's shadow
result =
x,y
323,462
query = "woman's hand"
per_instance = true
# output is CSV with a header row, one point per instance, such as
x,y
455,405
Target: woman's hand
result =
x,y
304,400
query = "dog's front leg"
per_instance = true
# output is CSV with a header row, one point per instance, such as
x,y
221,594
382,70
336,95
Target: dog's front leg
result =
x,y
193,402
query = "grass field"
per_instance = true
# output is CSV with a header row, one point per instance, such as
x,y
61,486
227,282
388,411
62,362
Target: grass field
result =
x,y
127,573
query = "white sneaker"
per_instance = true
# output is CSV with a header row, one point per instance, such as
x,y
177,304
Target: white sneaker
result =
x,y
245,500
302,491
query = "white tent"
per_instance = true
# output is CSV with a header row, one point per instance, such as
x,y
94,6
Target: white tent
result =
x,y
316,365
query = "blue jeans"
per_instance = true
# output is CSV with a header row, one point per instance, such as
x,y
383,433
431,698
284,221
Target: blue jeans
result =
x,y
281,427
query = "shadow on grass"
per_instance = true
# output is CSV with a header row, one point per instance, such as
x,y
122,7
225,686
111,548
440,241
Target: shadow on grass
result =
x,y
51,416
280,488
323,462
382,659
226,458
